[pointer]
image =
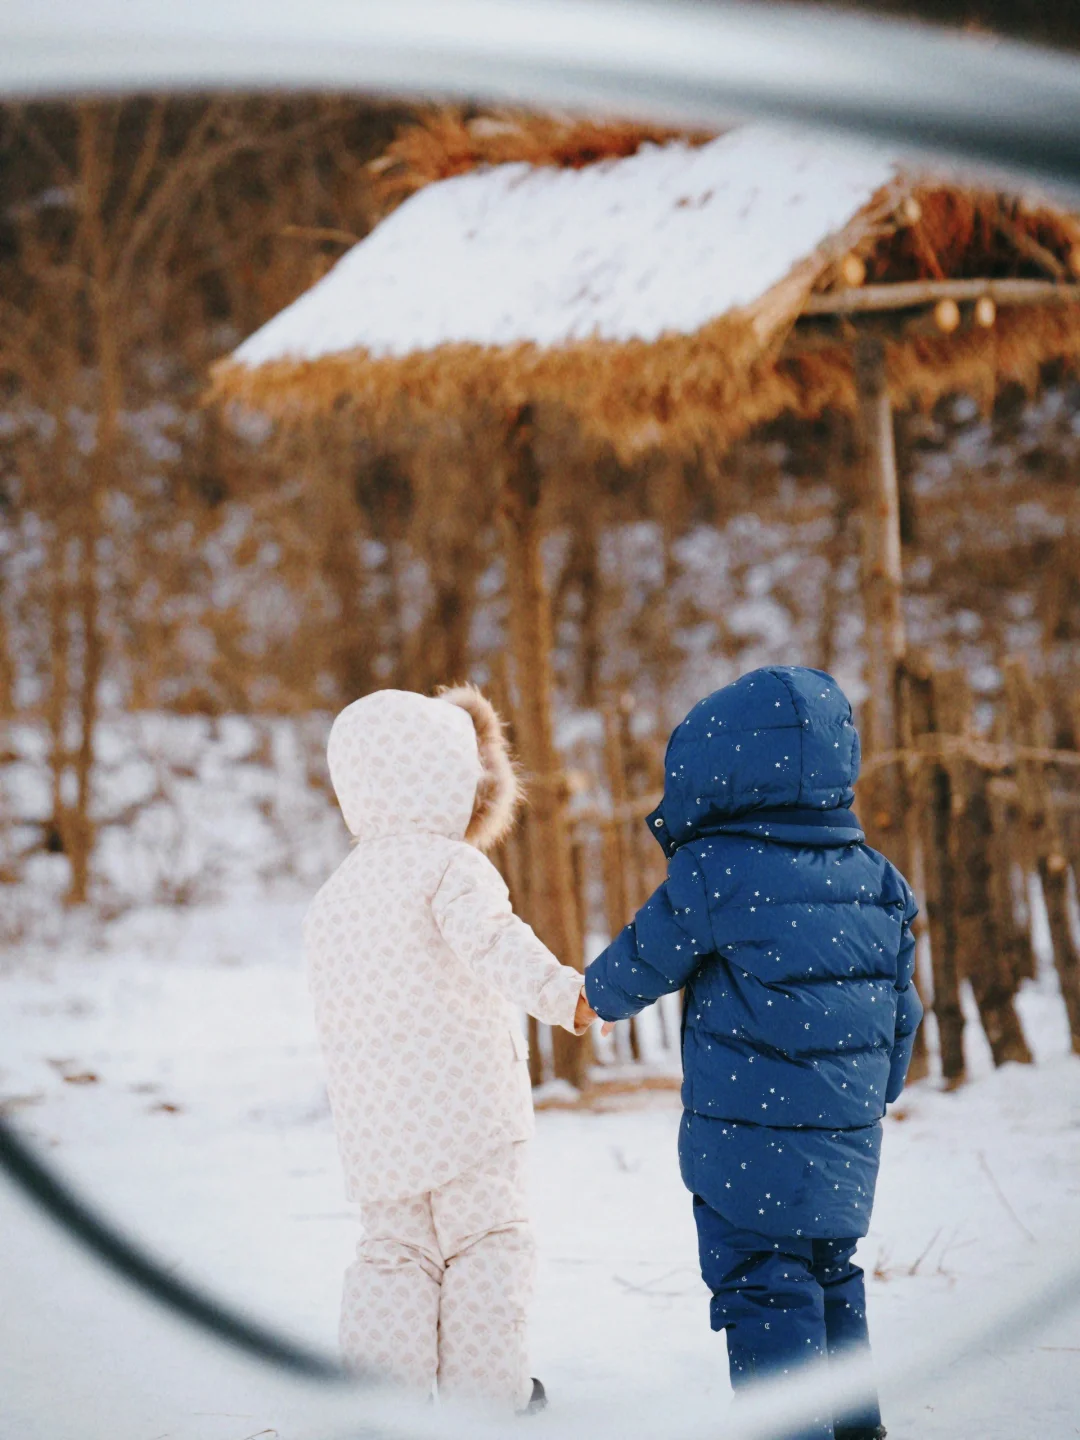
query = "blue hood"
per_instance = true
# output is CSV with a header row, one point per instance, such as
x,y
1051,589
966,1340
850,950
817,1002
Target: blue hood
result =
x,y
775,754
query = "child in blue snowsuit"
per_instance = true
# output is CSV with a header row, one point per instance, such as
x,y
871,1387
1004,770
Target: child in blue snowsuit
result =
x,y
793,941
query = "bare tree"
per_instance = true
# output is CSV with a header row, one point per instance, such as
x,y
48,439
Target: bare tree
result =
x,y
126,266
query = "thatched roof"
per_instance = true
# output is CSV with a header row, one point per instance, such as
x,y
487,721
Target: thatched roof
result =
x,y
447,141
656,296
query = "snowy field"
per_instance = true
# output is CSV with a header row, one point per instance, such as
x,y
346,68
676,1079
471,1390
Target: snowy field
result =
x,y
173,1072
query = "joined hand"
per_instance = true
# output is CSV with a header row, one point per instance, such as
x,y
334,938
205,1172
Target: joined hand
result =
x,y
584,1016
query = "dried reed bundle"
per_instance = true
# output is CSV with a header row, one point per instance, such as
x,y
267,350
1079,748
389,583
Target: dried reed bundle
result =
x,y
450,141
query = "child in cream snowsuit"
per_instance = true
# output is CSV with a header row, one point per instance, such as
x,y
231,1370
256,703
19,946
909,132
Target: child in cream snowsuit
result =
x,y
417,967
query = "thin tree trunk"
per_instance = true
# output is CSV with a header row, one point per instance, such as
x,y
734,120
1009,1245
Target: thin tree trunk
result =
x,y
984,949
80,820
453,616
919,1066
935,805
1054,877
398,640
914,866
835,551
940,891
1067,737
982,955
101,471
579,871
616,848
554,913
440,648
56,708
1015,936
350,640
591,594
7,666
1044,836
845,483
664,653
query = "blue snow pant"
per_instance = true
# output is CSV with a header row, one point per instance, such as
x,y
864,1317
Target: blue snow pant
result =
x,y
786,1303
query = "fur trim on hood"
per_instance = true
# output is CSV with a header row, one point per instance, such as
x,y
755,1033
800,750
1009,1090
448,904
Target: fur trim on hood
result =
x,y
498,791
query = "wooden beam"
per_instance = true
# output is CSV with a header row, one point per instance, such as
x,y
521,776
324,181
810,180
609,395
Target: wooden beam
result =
x,y
911,294
882,578
882,591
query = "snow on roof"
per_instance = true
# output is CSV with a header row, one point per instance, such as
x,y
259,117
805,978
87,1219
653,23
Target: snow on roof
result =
x,y
660,243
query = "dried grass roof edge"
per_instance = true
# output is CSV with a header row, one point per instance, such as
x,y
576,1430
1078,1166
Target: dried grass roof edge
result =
x,y
681,392
708,386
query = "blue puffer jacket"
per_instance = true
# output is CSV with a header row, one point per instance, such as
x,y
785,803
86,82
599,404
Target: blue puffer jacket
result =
x,y
793,939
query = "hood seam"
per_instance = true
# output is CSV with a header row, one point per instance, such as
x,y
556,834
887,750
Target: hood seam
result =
x,y
800,723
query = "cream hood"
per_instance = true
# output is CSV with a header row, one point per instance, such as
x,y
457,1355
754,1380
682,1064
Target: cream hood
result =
x,y
404,762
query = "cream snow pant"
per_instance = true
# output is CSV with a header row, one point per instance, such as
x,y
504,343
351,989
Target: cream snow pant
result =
x,y
441,1283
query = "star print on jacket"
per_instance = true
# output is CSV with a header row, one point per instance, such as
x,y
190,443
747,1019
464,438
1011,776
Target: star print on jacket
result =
x,y
793,940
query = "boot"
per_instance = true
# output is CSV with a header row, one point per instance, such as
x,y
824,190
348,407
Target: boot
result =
x,y
537,1400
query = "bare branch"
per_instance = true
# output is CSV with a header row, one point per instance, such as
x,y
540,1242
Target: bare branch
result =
x,y
40,142
149,154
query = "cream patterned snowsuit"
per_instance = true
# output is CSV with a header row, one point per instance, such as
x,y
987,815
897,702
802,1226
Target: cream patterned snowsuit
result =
x,y
418,967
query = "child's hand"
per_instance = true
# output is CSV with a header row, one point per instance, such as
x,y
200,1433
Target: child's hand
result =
x,y
584,1015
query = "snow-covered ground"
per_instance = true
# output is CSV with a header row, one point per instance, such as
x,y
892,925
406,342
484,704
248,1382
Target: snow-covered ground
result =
x,y
173,1072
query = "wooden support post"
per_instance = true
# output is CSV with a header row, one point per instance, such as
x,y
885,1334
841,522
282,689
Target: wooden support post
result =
x,y
553,909
835,552
882,586
907,689
1044,835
